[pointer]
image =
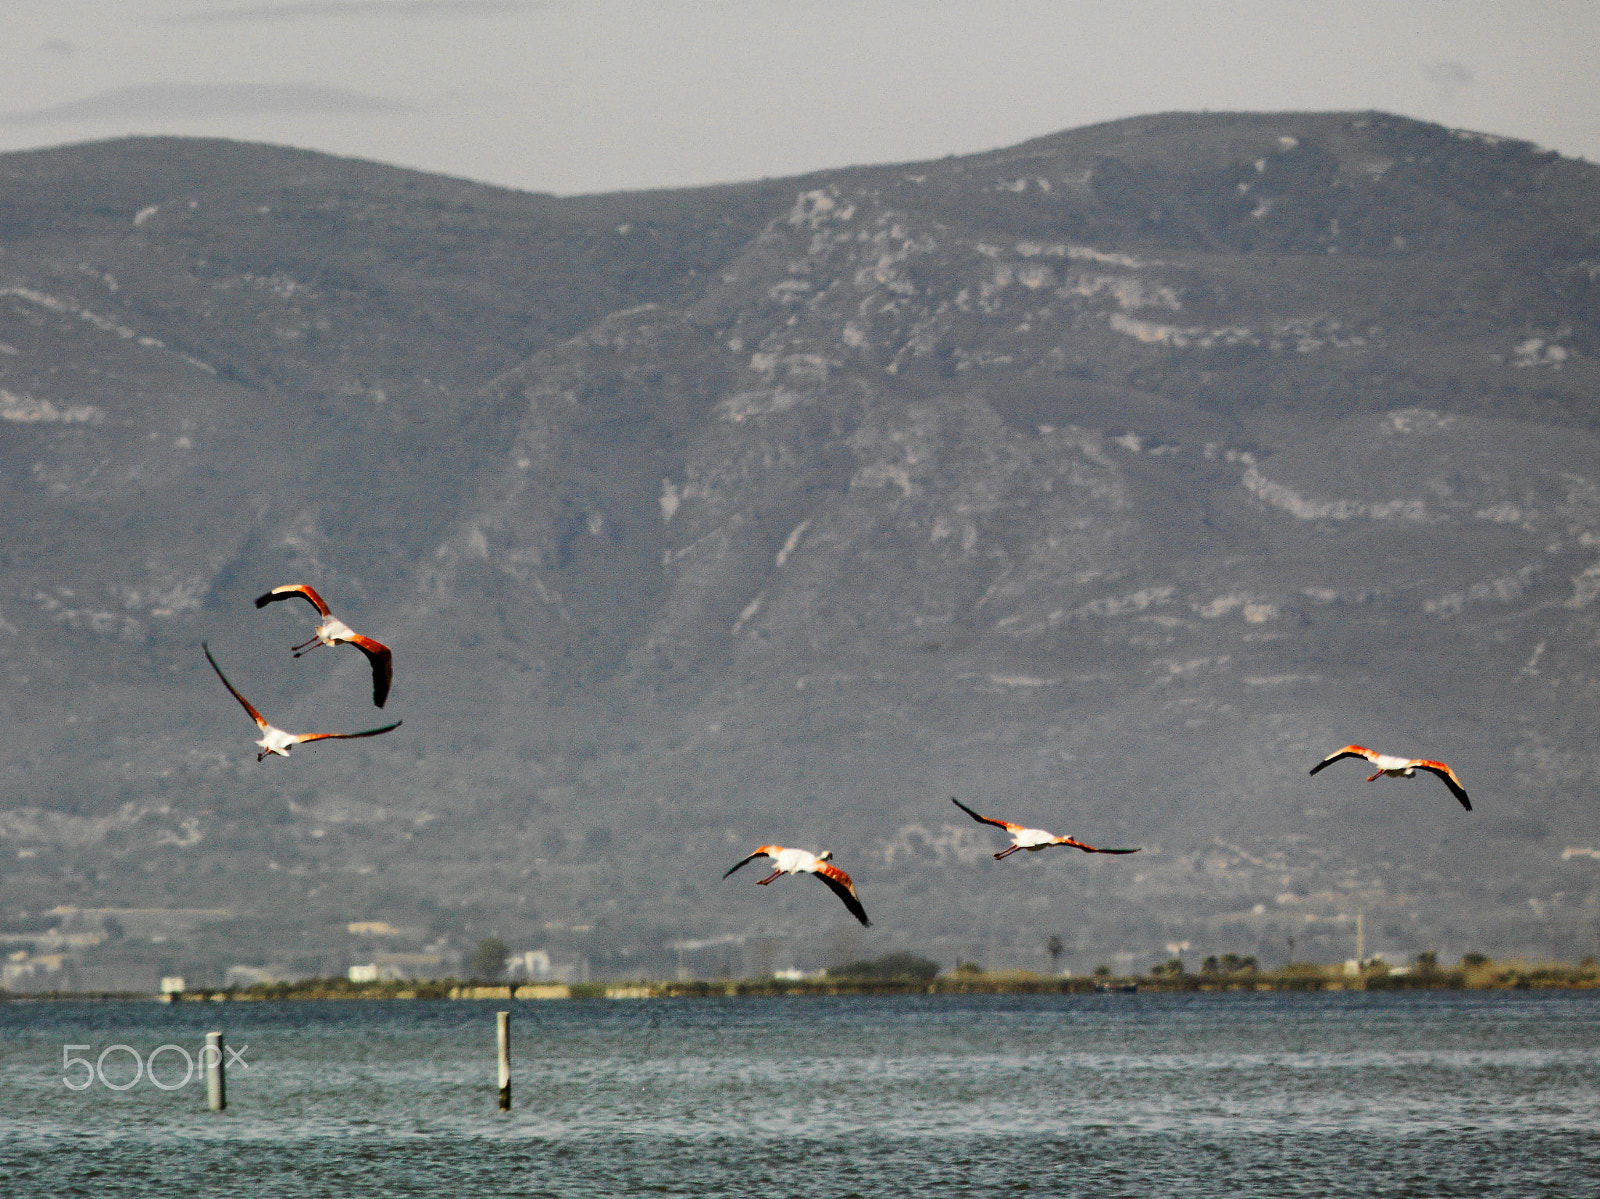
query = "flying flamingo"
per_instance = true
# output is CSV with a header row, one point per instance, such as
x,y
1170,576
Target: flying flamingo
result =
x,y
796,861
1031,839
275,740
1399,768
333,631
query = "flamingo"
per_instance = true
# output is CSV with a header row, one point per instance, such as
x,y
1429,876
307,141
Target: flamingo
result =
x,y
275,740
1399,768
1031,839
333,631
797,861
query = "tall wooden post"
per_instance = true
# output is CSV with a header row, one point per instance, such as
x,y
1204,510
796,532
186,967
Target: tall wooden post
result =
x,y
216,1080
503,1038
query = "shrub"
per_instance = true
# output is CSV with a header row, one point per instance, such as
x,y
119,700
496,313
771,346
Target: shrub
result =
x,y
891,966
489,958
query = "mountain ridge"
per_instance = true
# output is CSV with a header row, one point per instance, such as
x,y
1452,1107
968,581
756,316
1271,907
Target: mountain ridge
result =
x,y
1098,468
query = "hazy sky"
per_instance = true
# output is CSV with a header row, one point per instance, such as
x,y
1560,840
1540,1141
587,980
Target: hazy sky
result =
x,y
560,96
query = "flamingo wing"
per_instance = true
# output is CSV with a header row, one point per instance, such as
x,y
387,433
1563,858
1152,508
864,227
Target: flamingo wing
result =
x,y
1005,824
288,591
382,665
1349,751
1447,777
347,736
1076,844
839,883
254,715
766,851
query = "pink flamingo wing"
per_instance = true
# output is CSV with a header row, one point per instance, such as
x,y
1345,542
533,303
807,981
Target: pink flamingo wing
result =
x,y
1076,844
382,665
1349,751
288,591
839,883
254,715
1446,776
348,736
1005,824
766,851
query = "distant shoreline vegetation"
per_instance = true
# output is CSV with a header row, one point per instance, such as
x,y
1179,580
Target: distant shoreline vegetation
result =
x,y
904,974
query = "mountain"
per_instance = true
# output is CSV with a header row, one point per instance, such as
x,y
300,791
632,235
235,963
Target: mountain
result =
x,y
1107,482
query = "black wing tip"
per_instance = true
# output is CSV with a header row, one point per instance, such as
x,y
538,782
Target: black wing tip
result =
x,y
1443,775
382,662
263,600
851,901
853,906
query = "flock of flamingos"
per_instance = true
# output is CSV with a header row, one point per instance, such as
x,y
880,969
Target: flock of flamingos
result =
x,y
333,631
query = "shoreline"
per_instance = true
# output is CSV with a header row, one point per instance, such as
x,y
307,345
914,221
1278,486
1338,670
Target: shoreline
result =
x,y
1487,976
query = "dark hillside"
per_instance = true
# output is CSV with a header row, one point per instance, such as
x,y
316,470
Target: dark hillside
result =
x,y
1106,481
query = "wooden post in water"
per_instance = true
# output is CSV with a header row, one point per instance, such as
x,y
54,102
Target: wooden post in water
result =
x,y
216,1080
503,1039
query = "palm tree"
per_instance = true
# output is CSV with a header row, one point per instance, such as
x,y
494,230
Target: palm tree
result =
x,y
1056,949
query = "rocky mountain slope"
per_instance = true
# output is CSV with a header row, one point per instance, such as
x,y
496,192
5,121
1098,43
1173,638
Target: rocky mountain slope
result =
x,y
1107,481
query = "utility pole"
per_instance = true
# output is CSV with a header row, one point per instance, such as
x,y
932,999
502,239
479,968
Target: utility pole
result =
x,y
216,1078
503,1044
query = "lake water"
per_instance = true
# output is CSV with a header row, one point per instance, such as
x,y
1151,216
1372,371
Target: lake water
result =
x,y
1404,1094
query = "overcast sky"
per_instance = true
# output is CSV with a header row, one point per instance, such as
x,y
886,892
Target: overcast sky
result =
x,y
551,95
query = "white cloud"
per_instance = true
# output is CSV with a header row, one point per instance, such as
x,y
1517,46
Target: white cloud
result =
x,y
160,101
1449,78
296,10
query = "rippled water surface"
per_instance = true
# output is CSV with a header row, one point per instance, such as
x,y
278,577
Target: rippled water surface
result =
x,y
1349,1094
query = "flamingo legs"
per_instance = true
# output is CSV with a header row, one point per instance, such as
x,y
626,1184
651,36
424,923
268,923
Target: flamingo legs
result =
x,y
1006,852
305,647
762,882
